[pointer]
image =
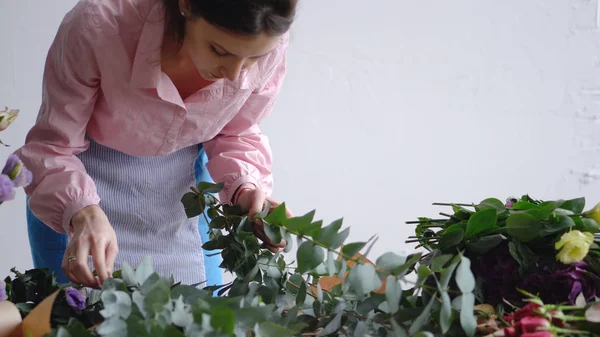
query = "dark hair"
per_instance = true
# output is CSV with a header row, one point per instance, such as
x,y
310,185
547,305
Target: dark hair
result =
x,y
249,17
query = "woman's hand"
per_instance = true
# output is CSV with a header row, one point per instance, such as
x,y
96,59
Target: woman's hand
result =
x,y
252,200
93,235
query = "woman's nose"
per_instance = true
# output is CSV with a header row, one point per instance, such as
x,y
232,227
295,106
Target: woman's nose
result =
x,y
233,69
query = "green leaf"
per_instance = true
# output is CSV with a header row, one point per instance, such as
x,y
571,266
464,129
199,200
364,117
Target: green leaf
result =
x,y
273,233
333,326
588,225
398,330
212,213
524,205
218,223
492,203
526,258
112,327
524,227
467,315
270,329
559,224
423,318
223,320
301,297
440,261
144,270
277,215
329,236
116,304
193,204
447,272
300,223
445,312
389,261
423,334
207,187
393,293
363,279
574,205
171,331
464,277
352,249
481,221
422,274
158,296
450,239
128,275
485,243
309,257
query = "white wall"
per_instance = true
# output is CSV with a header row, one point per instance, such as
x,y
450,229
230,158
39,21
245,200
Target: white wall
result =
x,y
391,105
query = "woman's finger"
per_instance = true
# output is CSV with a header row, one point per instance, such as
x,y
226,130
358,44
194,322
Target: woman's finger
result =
x,y
66,266
257,203
99,260
111,255
80,267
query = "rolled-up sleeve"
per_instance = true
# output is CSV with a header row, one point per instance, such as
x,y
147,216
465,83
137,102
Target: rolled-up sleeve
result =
x,y
241,153
71,79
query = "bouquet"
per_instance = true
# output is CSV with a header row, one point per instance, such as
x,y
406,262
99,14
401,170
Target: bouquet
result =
x,y
520,250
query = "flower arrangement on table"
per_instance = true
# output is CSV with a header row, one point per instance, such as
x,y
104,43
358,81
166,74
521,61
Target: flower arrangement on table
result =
x,y
536,263
482,260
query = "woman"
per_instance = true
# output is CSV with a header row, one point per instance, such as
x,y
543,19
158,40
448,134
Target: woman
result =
x,y
134,92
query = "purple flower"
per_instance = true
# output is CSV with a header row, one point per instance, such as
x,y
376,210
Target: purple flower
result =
x,y
576,279
75,299
3,294
7,188
564,284
17,172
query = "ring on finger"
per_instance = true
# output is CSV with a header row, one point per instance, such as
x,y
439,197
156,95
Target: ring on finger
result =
x,y
71,258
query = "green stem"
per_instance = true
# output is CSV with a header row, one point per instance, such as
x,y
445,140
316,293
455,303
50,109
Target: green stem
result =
x,y
426,221
447,204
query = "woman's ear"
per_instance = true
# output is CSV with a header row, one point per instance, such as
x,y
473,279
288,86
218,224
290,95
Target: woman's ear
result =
x,y
185,8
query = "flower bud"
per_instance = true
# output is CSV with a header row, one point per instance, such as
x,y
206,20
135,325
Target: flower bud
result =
x,y
7,117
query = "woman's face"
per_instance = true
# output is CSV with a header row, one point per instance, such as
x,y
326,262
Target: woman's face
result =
x,y
217,53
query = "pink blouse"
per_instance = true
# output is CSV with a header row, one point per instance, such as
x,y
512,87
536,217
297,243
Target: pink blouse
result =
x,y
103,79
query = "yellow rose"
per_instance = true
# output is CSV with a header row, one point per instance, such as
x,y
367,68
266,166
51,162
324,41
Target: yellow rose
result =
x,y
574,246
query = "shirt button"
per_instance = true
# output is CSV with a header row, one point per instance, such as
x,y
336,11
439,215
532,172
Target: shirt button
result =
x,y
170,140
182,113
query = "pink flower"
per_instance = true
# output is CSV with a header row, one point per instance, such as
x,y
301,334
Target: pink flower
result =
x,y
532,324
530,310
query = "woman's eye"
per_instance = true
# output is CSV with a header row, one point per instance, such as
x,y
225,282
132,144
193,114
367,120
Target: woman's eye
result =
x,y
218,53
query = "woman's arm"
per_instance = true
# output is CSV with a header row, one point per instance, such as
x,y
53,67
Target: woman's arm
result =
x,y
71,79
240,155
